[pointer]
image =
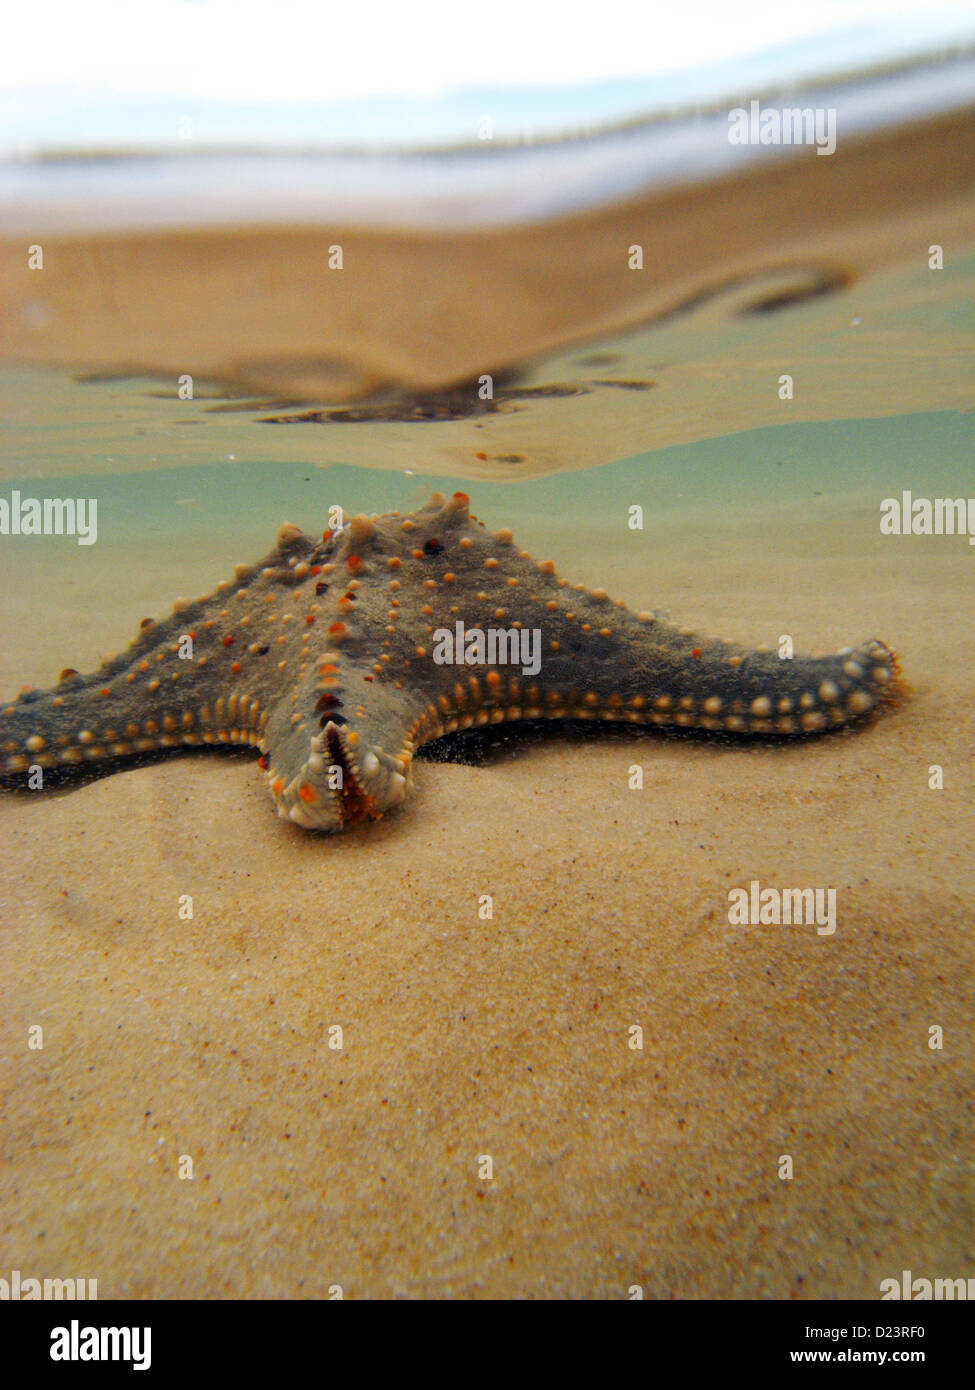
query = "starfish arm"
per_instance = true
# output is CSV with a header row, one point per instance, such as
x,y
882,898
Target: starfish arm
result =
x,y
327,769
207,674
478,631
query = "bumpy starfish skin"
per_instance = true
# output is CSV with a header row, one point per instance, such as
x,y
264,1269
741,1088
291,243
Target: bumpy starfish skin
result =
x,y
323,657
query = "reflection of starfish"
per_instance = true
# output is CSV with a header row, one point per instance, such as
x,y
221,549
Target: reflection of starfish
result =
x,y
329,656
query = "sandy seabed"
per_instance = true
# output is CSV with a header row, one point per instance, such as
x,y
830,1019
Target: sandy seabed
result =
x,y
509,1037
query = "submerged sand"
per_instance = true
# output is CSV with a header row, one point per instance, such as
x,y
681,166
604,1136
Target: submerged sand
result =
x,y
508,1037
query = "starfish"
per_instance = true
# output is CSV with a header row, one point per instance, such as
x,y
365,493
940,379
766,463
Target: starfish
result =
x,y
339,656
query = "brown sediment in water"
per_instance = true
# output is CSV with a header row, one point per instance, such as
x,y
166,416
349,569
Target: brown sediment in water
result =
x,y
414,313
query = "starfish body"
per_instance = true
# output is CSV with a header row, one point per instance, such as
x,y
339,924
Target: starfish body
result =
x,y
339,656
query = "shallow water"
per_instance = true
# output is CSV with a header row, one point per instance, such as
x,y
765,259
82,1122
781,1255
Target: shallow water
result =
x,y
187,488
761,517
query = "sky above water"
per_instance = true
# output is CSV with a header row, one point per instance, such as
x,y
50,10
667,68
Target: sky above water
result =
x,y
117,74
